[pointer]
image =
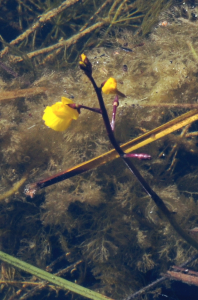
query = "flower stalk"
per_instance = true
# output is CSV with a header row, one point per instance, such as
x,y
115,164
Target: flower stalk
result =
x,y
79,106
115,106
128,147
31,189
158,201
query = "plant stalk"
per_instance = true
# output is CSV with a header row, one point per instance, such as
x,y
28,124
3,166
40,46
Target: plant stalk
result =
x,y
158,201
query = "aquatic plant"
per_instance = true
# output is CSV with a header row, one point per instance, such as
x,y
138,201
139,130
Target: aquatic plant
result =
x,y
104,246
110,86
97,211
47,32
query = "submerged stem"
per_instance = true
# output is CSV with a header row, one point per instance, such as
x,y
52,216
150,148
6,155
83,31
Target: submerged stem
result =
x,y
158,201
128,147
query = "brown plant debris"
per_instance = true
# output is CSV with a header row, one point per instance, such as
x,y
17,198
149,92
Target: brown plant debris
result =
x,y
18,93
184,275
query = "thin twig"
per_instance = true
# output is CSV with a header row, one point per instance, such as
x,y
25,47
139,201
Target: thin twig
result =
x,y
8,70
16,186
182,105
18,93
43,19
45,284
114,18
96,13
64,43
159,280
186,278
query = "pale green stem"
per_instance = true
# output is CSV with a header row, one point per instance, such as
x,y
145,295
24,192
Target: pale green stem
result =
x,y
58,281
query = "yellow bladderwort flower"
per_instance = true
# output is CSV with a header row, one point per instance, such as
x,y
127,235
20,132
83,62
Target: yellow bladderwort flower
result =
x,y
59,115
110,87
83,59
85,65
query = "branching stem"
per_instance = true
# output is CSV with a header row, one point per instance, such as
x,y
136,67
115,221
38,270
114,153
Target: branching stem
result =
x,y
158,201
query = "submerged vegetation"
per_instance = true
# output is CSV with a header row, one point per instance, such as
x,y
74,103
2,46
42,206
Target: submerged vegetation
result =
x,y
56,32
101,223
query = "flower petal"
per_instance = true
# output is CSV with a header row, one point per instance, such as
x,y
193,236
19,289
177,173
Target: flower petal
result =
x,y
55,122
72,112
59,115
65,100
110,86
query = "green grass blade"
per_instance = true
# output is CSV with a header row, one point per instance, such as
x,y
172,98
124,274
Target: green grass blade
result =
x,y
58,281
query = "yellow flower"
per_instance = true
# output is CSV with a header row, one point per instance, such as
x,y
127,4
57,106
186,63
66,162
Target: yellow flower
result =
x,y
110,87
85,65
59,115
83,59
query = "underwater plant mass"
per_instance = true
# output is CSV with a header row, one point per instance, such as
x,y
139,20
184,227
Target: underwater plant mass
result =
x,y
99,229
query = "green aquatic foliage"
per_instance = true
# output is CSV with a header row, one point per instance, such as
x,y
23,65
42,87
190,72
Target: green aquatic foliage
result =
x,y
56,32
104,221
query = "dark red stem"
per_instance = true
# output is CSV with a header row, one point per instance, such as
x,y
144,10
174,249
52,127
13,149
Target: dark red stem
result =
x,y
158,201
79,106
